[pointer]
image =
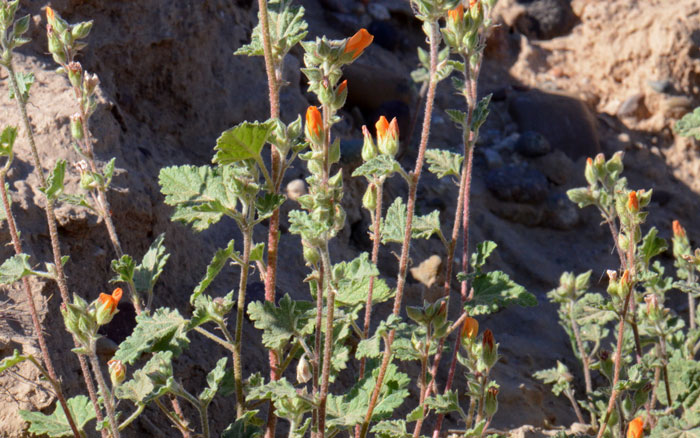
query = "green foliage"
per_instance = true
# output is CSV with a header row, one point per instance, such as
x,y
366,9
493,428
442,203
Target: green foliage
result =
x,y
287,29
56,425
559,377
444,163
380,166
393,226
55,180
7,140
689,125
165,330
481,112
214,379
353,283
495,290
242,142
10,361
150,382
243,427
24,82
281,323
146,274
391,429
217,263
14,268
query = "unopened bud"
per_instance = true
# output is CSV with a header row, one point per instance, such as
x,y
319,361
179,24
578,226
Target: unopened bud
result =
x,y
76,126
117,372
653,308
75,73
491,402
633,202
470,329
303,370
369,199
369,150
678,230
489,349
589,173
311,256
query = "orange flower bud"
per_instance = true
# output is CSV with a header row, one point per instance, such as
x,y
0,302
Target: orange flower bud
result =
x,y
357,43
633,202
456,14
387,136
111,301
678,229
625,277
49,13
488,339
470,328
636,428
472,3
117,372
343,85
382,127
589,161
314,124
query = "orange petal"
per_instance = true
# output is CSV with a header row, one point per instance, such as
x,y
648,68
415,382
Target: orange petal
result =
x,y
678,229
358,42
382,127
636,428
456,14
49,13
314,120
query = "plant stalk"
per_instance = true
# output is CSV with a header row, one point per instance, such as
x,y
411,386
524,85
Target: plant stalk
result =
x,y
328,345
238,340
106,395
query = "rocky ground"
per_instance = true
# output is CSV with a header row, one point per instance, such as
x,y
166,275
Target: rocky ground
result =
x,y
569,80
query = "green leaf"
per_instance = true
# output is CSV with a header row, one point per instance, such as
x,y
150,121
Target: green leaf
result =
x,y
483,251
279,324
287,28
10,361
495,290
427,225
391,429
24,83
559,377
7,140
581,196
457,116
146,274
671,427
301,223
689,125
108,172
379,166
14,268
481,112
124,267
214,379
149,382
444,403
267,204
217,263
353,282
243,427
56,424
242,142
256,254
55,181
652,245
165,330
443,163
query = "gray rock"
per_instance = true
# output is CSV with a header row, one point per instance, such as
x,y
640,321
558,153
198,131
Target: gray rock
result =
x,y
564,120
546,19
351,152
493,158
557,167
519,183
526,214
562,214
378,11
532,144
633,106
508,143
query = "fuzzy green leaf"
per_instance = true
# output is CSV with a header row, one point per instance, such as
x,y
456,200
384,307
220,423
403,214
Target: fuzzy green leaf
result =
x,y
353,282
393,226
559,377
214,379
14,268
379,166
124,268
457,116
217,263
279,324
198,194
244,427
689,125
301,223
24,83
652,245
495,290
483,251
7,140
56,424
427,225
146,274
267,204
149,382
55,181
443,163
287,28
276,389
444,403
242,142
391,429
256,253
10,361
165,330
671,427
481,112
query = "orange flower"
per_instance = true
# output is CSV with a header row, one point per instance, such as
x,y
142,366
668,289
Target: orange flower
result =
x,y
636,428
678,229
625,277
343,85
633,202
470,328
49,13
488,339
357,43
589,161
456,14
111,301
314,123
382,126
472,3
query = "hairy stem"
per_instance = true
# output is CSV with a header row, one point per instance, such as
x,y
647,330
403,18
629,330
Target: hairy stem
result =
x,y
328,345
51,372
104,391
237,343
53,233
574,404
691,311
423,384
406,246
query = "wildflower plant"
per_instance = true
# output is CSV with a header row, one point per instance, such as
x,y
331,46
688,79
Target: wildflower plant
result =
x,y
650,380
313,336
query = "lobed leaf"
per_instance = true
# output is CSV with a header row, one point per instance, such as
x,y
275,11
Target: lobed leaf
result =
x,y
379,166
146,274
56,425
495,290
242,142
149,382
14,268
689,125
165,330
217,263
280,323
214,379
443,163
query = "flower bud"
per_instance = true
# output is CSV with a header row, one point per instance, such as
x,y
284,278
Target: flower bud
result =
x,y
117,372
90,82
311,256
589,173
314,125
369,200
303,370
81,30
76,126
470,329
635,429
491,401
107,306
678,230
654,311
489,352
369,150
633,202
75,73
357,43
70,319
88,181
387,136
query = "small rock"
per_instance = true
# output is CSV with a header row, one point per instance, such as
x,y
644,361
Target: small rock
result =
x,y
562,214
676,106
664,86
525,214
557,167
507,144
378,11
532,144
493,158
295,189
427,272
580,429
623,137
633,106
545,19
518,183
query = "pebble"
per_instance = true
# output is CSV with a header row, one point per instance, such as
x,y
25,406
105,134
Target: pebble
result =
x,y
664,86
295,189
562,214
427,271
493,158
632,106
507,144
532,144
519,183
